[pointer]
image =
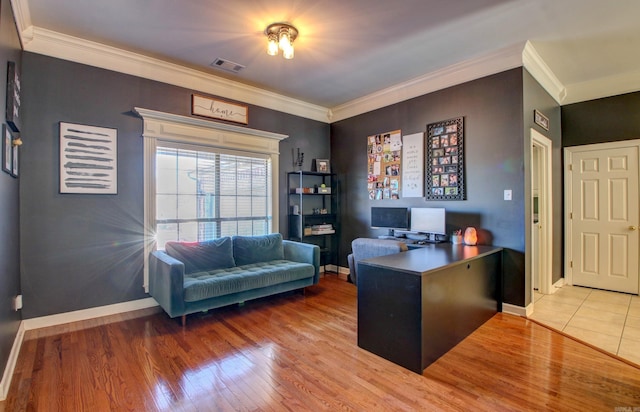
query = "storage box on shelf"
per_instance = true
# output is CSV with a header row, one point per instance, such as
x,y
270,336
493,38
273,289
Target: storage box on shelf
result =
x,y
313,207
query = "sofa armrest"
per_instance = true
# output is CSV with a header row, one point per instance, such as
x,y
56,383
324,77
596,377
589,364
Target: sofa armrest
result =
x,y
303,253
166,282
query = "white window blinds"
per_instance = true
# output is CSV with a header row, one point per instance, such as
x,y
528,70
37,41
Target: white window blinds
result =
x,y
205,194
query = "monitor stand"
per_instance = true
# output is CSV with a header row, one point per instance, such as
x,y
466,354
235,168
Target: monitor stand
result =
x,y
391,234
432,238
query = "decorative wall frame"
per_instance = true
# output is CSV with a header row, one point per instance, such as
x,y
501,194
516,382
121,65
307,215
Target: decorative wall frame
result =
x,y
13,97
88,159
541,120
444,164
219,109
7,149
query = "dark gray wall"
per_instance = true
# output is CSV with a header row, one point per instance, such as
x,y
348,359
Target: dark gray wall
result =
x,y
494,149
9,202
602,120
82,251
535,97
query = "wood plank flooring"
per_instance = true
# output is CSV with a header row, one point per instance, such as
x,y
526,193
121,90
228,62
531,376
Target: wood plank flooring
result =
x,y
296,352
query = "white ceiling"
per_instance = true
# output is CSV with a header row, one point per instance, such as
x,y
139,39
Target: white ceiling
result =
x,y
349,50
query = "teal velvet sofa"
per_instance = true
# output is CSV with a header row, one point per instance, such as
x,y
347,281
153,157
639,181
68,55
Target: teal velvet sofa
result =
x,y
189,277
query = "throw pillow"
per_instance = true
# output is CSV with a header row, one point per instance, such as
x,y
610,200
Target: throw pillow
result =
x,y
203,256
254,249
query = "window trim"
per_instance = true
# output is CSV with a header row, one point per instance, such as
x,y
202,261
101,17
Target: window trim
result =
x,y
160,127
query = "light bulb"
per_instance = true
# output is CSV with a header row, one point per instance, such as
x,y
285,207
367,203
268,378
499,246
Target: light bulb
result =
x,y
272,46
285,41
288,52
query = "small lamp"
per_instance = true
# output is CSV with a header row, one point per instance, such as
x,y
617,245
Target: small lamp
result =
x,y
470,236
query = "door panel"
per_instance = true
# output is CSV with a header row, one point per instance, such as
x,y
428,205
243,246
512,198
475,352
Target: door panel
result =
x,y
605,216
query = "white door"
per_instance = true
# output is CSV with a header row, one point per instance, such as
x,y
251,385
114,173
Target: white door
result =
x,y
535,227
541,242
604,217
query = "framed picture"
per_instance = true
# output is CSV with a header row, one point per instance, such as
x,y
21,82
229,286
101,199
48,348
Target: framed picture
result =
x,y
321,166
219,109
541,120
14,161
88,159
7,151
13,97
444,160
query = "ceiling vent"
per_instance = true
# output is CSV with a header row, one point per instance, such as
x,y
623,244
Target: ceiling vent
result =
x,y
227,65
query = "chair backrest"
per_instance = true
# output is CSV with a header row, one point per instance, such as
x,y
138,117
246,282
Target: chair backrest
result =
x,y
364,248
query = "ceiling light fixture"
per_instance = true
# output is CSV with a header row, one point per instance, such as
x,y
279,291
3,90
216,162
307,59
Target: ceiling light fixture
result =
x,y
280,37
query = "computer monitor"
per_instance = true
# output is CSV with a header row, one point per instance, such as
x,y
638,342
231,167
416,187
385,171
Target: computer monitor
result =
x,y
392,218
429,220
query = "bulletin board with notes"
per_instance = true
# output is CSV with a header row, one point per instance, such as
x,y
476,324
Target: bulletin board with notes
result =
x,y
384,165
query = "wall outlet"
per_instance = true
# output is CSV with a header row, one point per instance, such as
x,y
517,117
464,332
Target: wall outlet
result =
x,y
507,194
17,303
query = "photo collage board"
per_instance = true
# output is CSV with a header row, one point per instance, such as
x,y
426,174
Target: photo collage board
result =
x,y
445,160
384,154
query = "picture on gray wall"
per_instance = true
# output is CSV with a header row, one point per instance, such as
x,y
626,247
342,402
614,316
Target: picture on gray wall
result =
x,y
444,163
384,165
7,151
88,159
13,97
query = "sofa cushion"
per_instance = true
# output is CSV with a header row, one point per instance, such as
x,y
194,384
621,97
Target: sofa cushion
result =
x,y
254,249
203,256
204,285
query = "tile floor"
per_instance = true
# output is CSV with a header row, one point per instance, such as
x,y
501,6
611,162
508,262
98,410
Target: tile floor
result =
x,y
608,320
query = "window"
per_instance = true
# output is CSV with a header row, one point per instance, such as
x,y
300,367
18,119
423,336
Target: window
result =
x,y
204,194
205,179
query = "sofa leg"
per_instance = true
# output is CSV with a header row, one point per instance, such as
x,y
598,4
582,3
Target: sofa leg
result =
x,y
184,320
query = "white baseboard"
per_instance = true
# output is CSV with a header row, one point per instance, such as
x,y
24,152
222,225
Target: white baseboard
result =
x,y
516,310
330,268
341,271
11,363
91,313
558,285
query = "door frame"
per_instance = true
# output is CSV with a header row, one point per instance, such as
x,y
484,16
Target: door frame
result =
x,y
568,201
545,211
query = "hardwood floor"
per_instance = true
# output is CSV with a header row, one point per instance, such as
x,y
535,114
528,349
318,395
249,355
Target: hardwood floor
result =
x,y
298,352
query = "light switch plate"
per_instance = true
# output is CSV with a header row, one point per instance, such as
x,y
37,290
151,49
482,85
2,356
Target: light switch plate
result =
x,y
507,194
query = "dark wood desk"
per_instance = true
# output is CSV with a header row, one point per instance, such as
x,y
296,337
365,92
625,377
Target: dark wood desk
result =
x,y
416,305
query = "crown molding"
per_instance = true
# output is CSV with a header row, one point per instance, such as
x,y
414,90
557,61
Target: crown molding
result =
x,y
22,17
54,44
540,71
621,83
472,69
78,50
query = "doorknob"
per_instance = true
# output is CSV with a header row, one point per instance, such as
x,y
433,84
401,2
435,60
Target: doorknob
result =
x,y
632,228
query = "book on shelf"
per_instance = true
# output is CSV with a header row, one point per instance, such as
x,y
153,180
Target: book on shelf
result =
x,y
323,229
